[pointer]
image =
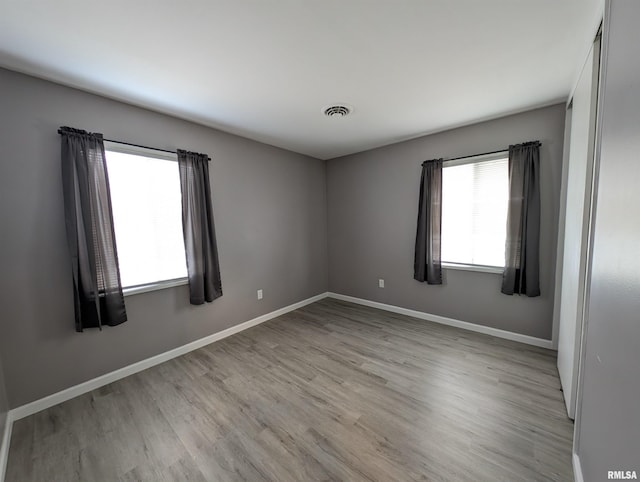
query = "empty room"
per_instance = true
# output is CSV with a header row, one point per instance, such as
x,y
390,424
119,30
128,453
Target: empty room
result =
x,y
312,241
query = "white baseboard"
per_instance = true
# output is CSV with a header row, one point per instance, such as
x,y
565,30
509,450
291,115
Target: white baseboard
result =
x,y
577,469
72,392
4,445
487,330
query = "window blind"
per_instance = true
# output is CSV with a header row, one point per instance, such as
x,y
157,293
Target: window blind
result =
x,y
147,213
474,212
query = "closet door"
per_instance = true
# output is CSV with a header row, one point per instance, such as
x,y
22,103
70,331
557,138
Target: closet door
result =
x,y
576,227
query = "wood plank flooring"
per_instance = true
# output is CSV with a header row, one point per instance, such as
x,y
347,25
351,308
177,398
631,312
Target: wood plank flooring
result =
x,y
333,391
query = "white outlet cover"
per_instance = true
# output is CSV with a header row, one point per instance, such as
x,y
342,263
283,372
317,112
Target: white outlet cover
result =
x,y
259,294
380,283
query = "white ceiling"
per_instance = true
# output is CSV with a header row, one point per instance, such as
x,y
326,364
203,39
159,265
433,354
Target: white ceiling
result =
x,y
264,69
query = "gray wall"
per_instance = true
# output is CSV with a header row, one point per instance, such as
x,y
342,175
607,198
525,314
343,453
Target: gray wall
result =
x,y
270,214
373,205
608,423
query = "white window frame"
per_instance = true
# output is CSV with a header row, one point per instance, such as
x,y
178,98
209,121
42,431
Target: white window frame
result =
x,y
494,156
155,154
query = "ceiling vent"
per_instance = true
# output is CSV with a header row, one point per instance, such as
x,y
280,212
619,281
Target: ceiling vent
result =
x,y
337,111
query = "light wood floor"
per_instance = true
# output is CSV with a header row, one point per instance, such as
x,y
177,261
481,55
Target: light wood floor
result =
x,y
333,391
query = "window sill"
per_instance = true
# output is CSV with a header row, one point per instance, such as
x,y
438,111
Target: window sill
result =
x,y
473,267
159,285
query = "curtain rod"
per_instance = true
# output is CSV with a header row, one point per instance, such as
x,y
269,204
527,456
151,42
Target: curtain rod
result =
x,y
477,155
489,153
137,145
144,147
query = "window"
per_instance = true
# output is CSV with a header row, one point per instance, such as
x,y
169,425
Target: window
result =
x,y
475,197
147,216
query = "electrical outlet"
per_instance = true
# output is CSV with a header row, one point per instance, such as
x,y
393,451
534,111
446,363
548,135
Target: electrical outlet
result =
x,y
259,294
380,283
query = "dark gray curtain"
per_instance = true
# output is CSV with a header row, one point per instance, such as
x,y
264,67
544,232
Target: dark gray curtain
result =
x,y
94,258
522,264
426,264
197,224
